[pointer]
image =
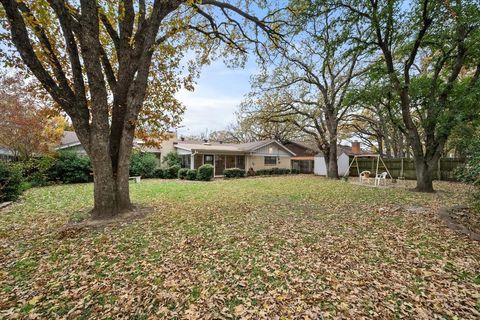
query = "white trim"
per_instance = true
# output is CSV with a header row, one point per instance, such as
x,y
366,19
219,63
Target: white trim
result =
x,y
183,152
182,148
73,144
269,155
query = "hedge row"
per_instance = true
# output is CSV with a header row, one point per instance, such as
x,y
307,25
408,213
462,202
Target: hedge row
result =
x,y
204,173
240,173
234,173
276,171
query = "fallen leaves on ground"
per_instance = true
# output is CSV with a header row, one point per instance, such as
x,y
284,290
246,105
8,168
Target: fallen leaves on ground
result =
x,y
274,248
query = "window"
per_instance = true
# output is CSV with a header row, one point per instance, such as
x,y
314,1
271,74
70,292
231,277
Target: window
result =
x,y
186,159
241,162
270,161
208,159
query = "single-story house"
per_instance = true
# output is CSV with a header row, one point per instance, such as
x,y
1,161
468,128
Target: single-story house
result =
x,y
252,155
256,155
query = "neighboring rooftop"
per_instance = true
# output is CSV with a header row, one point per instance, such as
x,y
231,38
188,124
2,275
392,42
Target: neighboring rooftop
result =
x,y
69,139
348,150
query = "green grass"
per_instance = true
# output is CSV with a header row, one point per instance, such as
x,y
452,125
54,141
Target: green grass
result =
x,y
278,246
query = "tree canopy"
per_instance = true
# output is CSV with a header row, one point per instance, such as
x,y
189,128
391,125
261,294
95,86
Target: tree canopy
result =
x,y
114,67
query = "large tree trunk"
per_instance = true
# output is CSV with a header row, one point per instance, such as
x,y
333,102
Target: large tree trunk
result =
x,y
332,165
104,189
424,171
332,126
123,167
111,188
111,191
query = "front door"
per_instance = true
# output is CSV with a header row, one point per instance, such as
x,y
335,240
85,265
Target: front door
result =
x,y
219,165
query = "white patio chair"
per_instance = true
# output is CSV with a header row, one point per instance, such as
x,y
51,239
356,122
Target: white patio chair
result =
x,y
364,175
381,177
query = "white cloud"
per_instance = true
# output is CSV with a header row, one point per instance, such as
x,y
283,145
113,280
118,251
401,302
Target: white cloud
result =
x,y
212,112
217,95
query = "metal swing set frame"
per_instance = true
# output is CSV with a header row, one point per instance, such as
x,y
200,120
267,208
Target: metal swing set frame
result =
x,y
373,156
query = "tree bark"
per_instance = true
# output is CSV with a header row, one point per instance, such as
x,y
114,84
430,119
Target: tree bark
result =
x,y
332,127
104,189
332,166
424,171
111,188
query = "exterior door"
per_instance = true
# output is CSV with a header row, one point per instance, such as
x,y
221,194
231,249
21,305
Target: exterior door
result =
x,y
219,165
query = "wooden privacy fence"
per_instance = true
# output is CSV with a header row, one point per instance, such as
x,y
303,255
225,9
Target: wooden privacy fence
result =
x,y
444,169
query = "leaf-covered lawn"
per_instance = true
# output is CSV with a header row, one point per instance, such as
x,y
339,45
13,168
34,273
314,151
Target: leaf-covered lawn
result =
x,y
279,247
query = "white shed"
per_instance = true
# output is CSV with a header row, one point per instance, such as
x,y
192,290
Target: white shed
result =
x,y
320,168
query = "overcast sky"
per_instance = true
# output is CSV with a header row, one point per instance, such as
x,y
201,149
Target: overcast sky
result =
x,y
218,93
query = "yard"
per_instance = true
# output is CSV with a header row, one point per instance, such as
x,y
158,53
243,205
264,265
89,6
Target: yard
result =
x,y
292,247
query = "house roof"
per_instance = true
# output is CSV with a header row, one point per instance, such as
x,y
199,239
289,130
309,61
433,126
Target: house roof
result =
x,y
345,149
69,139
308,145
227,147
340,148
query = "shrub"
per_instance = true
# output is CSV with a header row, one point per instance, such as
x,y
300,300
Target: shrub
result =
x,y
70,167
234,173
182,173
142,164
10,182
171,172
38,179
264,172
205,172
295,171
260,172
172,159
191,174
273,171
35,171
470,171
158,173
